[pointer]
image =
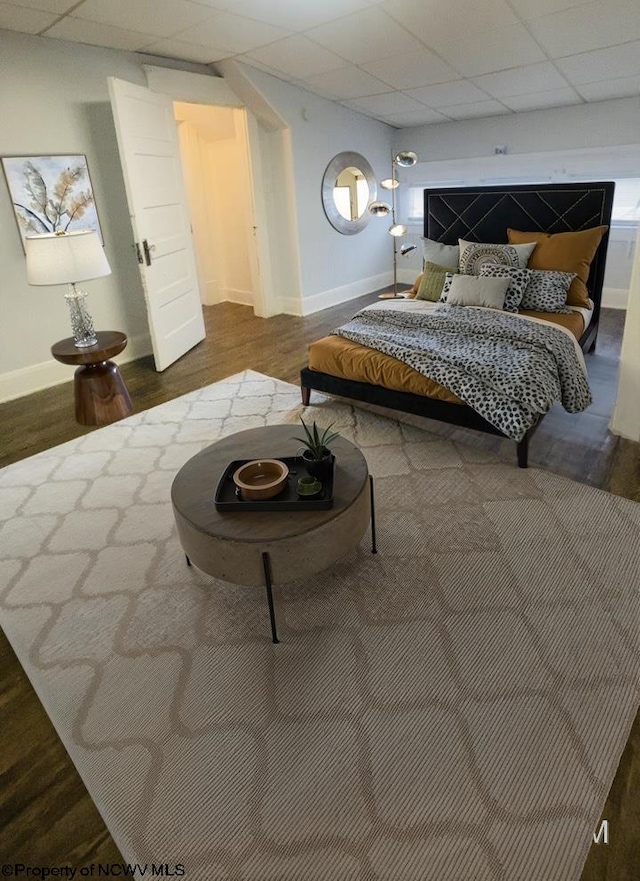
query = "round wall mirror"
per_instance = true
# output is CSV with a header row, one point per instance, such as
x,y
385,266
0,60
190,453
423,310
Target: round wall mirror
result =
x,y
348,186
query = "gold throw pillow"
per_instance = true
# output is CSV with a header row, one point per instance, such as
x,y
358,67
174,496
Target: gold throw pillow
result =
x,y
566,252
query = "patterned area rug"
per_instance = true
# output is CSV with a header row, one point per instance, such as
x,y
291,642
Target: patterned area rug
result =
x,y
453,708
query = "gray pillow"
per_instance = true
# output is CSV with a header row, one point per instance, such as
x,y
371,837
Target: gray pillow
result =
x,y
443,255
474,254
518,280
547,291
476,290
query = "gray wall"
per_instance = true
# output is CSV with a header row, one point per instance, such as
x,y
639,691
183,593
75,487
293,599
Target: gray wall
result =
x,y
54,99
319,130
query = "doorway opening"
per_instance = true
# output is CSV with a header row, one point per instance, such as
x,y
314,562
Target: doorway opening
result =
x,y
214,151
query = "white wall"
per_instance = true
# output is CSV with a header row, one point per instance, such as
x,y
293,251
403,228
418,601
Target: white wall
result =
x,y
333,267
583,142
600,124
626,414
215,163
227,161
199,196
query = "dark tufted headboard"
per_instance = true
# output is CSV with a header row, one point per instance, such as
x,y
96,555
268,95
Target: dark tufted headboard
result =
x,y
482,214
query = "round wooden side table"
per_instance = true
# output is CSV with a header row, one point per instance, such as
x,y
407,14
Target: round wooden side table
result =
x,y
258,547
101,395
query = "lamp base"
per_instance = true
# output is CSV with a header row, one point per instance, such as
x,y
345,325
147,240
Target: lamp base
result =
x,y
86,342
81,321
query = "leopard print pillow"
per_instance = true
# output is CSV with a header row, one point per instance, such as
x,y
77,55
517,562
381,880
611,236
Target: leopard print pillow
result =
x,y
518,280
446,287
547,291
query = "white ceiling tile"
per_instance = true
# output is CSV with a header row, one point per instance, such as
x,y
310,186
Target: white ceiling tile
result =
x,y
624,87
411,55
187,51
229,31
528,9
433,22
478,108
27,21
348,82
391,103
252,62
410,70
295,15
95,34
592,26
424,116
298,57
365,36
159,17
541,77
496,50
447,94
216,5
59,7
541,100
602,64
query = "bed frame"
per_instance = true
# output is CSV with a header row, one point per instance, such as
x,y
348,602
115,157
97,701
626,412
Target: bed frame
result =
x,y
482,214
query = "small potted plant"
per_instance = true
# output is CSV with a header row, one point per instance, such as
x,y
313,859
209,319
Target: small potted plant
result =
x,y
317,456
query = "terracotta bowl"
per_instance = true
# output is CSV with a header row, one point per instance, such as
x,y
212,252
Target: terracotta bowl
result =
x,y
261,479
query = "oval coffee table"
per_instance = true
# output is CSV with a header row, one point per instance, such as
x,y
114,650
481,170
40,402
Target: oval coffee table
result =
x,y
259,547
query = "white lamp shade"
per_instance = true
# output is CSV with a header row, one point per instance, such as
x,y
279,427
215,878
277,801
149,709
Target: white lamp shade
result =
x,y
61,259
398,229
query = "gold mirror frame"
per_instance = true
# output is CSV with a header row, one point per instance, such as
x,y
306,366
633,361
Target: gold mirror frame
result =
x,y
347,159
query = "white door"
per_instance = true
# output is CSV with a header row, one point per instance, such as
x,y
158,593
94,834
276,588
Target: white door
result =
x,y
150,156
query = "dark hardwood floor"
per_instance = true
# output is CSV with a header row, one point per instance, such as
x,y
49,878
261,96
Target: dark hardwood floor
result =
x,y
46,815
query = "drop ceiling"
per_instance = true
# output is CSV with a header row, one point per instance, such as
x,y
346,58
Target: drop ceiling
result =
x,y
405,62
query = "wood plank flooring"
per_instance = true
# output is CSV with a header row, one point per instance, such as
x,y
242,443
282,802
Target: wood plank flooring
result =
x,y
46,815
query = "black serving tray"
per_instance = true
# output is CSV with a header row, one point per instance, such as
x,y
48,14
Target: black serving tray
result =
x,y
287,500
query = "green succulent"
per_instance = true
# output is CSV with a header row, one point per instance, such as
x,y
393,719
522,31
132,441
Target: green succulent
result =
x,y
317,440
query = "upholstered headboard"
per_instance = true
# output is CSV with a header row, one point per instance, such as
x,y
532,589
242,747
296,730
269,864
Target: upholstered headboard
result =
x,y
482,214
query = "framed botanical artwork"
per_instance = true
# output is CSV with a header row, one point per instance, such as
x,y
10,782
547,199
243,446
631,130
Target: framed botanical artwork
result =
x,y
51,194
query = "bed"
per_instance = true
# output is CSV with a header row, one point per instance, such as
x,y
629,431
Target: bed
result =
x,y
476,214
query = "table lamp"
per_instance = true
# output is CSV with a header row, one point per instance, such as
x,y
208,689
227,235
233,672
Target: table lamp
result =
x,y
68,258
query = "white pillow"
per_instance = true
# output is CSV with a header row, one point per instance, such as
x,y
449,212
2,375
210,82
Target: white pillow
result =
x,y
474,254
478,290
443,255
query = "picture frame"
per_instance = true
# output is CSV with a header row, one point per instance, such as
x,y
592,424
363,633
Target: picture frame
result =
x,y
51,194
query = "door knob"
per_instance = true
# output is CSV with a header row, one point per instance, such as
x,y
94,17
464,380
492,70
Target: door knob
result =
x,y
147,248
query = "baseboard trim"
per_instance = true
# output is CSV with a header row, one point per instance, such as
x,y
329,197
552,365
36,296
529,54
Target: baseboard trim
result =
x,y
334,296
27,380
211,294
233,295
615,298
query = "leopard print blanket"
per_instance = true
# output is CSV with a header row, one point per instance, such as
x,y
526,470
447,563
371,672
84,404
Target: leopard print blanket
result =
x,y
509,369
